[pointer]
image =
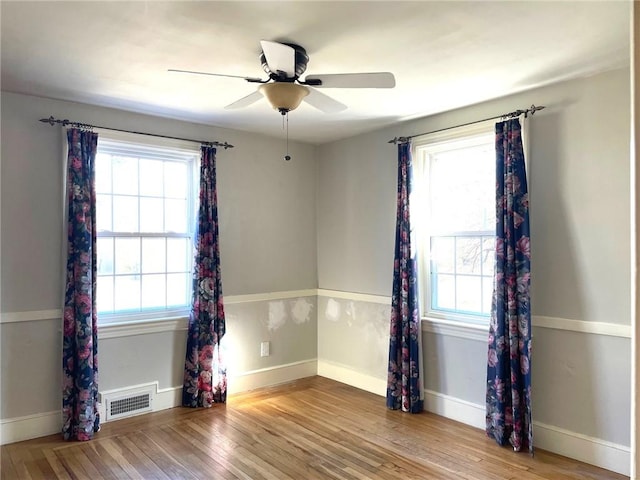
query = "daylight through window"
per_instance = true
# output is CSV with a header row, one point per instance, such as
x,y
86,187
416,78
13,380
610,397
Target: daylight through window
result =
x,y
144,215
456,219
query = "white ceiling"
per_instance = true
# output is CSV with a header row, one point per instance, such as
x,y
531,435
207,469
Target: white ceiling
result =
x,y
444,55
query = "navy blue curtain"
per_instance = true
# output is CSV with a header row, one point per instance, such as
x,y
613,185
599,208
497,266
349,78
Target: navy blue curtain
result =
x,y
80,418
205,376
404,387
509,356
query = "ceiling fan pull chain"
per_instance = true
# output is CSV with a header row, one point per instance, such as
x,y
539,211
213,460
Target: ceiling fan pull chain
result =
x,y
287,157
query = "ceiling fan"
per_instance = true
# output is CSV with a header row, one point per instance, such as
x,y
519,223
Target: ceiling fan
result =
x,y
284,63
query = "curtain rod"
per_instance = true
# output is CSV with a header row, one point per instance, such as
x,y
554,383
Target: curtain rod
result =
x,y
531,110
53,121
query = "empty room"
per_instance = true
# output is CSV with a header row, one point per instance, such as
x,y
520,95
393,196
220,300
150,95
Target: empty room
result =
x,y
319,240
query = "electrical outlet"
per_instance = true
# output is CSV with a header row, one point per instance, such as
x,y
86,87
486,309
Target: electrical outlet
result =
x,y
264,349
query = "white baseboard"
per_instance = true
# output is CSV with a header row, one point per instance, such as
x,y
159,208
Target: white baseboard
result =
x,y
267,377
30,426
167,398
574,445
455,408
595,451
343,374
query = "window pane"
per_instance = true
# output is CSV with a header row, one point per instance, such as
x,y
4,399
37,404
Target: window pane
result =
x,y
151,173
443,292
125,214
103,173
177,259
127,256
104,289
151,215
462,188
487,294
176,182
105,256
153,255
175,216
177,289
468,255
468,294
488,255
443,254
153,291
125,175
103,213
127,292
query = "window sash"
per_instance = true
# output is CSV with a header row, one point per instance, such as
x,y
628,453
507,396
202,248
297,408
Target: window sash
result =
x,y
166,154
478,135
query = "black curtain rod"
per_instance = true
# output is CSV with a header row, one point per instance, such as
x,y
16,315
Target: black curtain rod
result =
x,y
531,110
66,123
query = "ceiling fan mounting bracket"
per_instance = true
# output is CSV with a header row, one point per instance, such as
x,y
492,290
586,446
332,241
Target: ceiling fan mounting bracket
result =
x,y
301,61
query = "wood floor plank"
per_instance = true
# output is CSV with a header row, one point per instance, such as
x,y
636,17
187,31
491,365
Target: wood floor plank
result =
x,y
272,447
198,463
310,429
166,460
7,470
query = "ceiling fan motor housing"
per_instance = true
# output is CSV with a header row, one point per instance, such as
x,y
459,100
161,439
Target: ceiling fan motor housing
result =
x,y
301,64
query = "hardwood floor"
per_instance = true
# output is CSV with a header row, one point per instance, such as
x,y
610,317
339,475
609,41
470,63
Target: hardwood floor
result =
x,y
314,428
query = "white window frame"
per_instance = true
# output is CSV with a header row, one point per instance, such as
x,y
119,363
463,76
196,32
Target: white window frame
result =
x,y
161,148
420,198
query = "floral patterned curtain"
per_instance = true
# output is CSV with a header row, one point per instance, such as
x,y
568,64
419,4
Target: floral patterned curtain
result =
x,y
509,357
205,376
80,337
404,388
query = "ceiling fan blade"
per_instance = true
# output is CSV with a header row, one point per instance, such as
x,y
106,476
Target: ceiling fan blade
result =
x,y
323,102
245,101
248,79
280,57
353,80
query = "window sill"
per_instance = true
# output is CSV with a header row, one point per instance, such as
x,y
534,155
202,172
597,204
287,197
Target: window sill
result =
x,y
142,327
470,331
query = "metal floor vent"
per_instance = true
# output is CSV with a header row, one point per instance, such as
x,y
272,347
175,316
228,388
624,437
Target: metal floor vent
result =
x,y
126,404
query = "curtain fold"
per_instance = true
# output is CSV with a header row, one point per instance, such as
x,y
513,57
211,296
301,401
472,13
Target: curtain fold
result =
x,y
509,354
80,328
404,387
205,377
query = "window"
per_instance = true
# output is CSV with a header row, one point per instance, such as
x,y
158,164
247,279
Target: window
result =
x,y
144,212
456,223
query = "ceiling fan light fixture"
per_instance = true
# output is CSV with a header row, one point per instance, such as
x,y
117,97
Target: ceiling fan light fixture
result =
x,y
284,96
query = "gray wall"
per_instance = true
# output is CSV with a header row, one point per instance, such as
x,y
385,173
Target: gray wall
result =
x,y
579,184
267,244
326,220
